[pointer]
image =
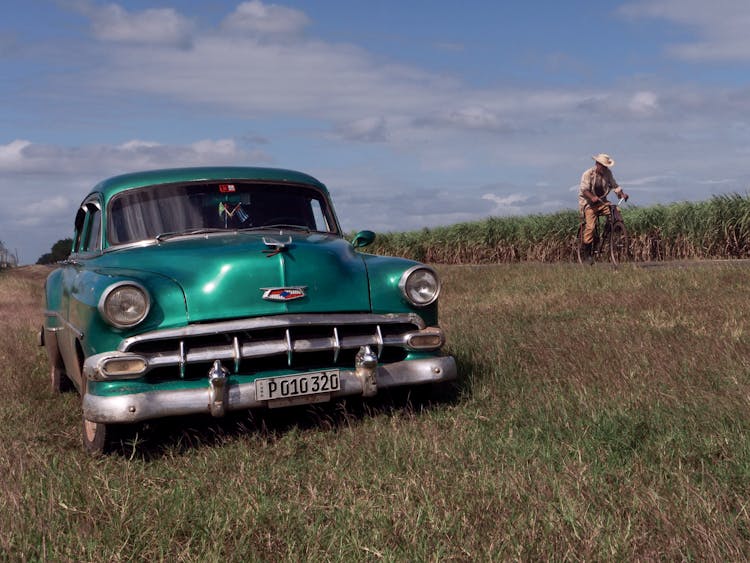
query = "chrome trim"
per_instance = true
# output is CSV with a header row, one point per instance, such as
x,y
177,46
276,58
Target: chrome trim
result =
x,y
237,353
217,389
280,321
429,331
158,404
94,368
289,347
365,368
79,334
336,345
182,360
274,243
379,341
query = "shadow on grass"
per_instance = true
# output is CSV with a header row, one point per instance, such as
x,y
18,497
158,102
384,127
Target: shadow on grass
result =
x,y
179,435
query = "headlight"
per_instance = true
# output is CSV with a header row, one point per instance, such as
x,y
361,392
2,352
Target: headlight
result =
x,y
420,286
124,304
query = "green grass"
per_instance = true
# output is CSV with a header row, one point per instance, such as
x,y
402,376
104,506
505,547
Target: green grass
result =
x,y
601,415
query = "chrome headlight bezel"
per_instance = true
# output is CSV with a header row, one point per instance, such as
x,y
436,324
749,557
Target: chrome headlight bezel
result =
x,y
414,275
105,302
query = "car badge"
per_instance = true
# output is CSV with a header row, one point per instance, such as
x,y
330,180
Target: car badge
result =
x,y
283,293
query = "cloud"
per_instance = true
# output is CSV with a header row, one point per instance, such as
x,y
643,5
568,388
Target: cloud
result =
x,y
474,117
158,26
721,26
367,129
644,103
12,154
25,157
507,205
256,17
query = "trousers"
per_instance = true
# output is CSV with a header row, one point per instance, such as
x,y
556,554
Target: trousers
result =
x,y
590,213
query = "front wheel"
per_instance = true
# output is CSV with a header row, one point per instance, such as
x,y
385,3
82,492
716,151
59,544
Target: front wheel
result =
x,y
96,437
618,244
59,382
99,438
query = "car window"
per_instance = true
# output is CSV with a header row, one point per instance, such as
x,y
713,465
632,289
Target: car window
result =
x,y
92,237
145,213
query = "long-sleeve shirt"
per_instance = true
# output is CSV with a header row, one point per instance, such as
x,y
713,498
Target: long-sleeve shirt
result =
x,y
599,183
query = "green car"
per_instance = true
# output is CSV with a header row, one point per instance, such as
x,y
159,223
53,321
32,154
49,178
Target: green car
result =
x,y
207,290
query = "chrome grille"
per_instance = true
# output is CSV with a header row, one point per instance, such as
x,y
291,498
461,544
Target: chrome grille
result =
x,y
251,345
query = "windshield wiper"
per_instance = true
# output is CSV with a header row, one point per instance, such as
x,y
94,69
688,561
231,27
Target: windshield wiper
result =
x,y
278,226
172,234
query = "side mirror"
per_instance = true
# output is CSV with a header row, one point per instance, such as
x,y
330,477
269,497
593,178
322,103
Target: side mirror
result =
x,y
363,238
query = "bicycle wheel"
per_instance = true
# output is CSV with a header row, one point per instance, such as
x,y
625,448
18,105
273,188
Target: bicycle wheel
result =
x,y
618,243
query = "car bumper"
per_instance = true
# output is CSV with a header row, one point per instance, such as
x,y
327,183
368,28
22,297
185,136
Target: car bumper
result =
x,y
157,404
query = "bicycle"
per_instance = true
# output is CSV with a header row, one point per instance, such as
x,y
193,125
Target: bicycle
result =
x,y
611,238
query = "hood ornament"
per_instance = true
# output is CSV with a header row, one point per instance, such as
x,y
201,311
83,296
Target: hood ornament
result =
x,y
283,293
275,246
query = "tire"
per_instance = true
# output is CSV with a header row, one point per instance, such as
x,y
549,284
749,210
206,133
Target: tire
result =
x,y
59,382
618,244
97,437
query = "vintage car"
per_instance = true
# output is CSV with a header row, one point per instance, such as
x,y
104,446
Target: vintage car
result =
x,y
206,290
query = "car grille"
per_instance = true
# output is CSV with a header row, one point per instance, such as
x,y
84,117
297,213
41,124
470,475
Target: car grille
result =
x,y
250,346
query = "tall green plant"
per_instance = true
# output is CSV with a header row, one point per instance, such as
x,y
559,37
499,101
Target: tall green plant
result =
x,y
717,228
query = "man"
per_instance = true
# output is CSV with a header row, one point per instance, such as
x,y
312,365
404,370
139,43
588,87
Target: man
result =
x,y
596,183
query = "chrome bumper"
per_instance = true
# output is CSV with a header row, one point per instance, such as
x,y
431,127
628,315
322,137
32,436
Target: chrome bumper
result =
x,y
157,404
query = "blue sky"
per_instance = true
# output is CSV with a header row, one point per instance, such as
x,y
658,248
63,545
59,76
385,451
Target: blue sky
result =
x,y
414,114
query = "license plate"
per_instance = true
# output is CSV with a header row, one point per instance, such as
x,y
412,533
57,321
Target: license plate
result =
x,y
288,386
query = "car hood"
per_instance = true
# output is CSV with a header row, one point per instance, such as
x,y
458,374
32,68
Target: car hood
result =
x,y
225,276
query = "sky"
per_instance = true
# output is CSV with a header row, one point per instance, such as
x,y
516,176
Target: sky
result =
x,y
414,113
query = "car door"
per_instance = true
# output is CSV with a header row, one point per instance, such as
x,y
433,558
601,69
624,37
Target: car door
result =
x,y
87,244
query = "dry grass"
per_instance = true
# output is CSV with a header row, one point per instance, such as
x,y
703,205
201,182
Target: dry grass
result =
x,y
600,415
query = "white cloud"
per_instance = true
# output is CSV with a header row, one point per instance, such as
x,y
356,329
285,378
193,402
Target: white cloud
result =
x,y
161,26
646,181
260,18
367,129
644,103
721,26
475,117
25,157
508,205
12,154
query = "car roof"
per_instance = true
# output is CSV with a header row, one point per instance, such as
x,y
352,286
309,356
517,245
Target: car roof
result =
x,y
114,185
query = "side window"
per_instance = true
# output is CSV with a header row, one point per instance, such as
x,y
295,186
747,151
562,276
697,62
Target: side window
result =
x,y
80,223
320,219
93,229
88,229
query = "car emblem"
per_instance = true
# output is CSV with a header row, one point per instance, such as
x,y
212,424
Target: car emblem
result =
x,y
283,293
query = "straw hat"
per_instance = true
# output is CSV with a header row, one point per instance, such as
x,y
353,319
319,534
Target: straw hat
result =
x,y
604,159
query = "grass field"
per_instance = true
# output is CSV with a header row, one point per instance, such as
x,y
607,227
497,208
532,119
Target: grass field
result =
x,y
600,415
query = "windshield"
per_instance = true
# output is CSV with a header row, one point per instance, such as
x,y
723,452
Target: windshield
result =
x,y
146,213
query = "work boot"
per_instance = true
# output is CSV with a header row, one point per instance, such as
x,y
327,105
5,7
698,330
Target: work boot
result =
x,y
588,257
